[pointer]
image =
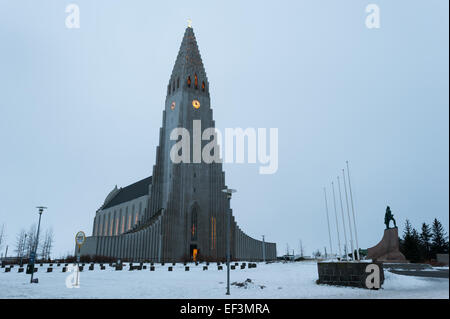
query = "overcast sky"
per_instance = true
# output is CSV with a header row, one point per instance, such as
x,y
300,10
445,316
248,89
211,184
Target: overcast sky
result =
x,y
80,109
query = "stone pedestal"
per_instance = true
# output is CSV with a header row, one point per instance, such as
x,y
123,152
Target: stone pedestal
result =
x,y
350,274
387,250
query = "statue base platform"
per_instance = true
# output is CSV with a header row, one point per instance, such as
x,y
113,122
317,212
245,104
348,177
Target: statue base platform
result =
x,y
388,249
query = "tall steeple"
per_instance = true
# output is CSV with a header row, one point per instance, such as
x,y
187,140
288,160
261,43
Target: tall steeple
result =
x,y
187,212
188,71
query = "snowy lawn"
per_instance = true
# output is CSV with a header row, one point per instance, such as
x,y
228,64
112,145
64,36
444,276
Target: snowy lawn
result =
x,y
279,280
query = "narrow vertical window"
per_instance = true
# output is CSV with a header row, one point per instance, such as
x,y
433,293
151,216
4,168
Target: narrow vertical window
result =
x,y
178,83
203,86
100,233
195,81
194,223
189,81
111,224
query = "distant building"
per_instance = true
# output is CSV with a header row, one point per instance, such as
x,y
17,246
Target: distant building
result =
x,y
180,210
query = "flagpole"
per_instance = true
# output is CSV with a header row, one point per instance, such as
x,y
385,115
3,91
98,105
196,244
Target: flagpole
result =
x,y
328,221
353,212
343,220
348,215
337,223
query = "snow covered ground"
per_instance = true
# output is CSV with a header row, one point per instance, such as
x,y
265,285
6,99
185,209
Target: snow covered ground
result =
x,y
279,280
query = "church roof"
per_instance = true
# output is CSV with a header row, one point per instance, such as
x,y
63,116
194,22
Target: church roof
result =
x,y
130,192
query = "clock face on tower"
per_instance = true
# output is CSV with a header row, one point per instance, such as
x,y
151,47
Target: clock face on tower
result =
x,y
173,105
195,104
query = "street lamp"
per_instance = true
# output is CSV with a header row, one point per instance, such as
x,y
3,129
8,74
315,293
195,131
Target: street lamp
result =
x,y
33,256
229,192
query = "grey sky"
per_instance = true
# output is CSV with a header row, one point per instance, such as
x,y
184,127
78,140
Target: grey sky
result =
x,y
80,110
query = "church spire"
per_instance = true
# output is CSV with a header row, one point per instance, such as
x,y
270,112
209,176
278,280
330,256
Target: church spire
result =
x,y
188,71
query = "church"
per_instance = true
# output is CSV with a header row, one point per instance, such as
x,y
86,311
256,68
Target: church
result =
x,y
180,212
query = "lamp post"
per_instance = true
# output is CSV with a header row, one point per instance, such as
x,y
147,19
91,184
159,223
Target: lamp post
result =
x,y
41,210
229,192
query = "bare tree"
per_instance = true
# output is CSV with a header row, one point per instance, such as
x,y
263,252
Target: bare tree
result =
x,y
21,242
47,245
301,248
31,240
317,253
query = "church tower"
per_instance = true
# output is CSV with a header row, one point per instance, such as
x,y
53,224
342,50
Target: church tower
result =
x,y
188,194
179,213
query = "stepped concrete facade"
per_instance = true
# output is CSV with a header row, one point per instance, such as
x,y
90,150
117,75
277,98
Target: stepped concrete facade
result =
x,y
180,211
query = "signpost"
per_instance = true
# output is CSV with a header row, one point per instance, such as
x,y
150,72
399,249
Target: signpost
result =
x,y
80,238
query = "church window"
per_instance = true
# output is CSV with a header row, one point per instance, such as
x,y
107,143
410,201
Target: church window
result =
x,y
194,223
203,86
178,83
111,225
213,233
105,226
195,81
173,86
189,81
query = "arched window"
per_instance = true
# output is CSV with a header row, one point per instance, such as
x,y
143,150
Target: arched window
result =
x,y
173,86
203,86
195,81
178,83
189,81
194,223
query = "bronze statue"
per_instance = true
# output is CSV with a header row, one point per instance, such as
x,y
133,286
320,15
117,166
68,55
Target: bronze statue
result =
x,y
388,217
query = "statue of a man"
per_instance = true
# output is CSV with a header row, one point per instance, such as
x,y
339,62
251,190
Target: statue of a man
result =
x,y
388,217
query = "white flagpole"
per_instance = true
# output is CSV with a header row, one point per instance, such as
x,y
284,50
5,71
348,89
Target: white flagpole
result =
x,y
353,211
328,221
343,220
337,223
348,215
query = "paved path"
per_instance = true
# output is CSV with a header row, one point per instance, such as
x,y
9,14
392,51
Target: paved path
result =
x,y
423,273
